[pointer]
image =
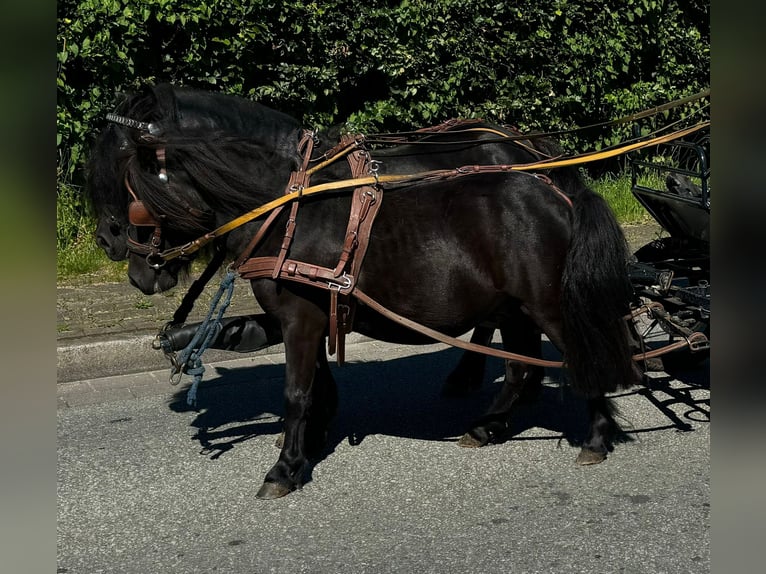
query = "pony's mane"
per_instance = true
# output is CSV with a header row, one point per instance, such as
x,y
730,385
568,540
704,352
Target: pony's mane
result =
x,y
223,153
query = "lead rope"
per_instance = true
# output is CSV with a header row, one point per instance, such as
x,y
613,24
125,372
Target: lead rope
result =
x,y
190,358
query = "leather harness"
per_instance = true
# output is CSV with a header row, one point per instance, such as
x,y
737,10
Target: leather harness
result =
x,y
341,280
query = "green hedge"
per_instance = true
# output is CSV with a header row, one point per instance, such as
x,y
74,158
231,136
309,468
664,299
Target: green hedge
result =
x,y
385,65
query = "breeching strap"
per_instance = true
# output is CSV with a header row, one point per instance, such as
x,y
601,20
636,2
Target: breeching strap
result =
x,y
453,341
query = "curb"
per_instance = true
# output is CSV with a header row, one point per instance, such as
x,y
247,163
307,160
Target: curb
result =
x,y
134,354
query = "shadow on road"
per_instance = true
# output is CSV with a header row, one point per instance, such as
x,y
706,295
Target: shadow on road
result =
x,y
401,397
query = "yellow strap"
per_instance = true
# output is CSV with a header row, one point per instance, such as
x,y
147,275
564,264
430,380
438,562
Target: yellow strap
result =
x,y
195,245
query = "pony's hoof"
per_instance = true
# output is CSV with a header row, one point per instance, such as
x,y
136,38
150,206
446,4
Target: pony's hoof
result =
x,y
280,442
588,456
470,441
272,490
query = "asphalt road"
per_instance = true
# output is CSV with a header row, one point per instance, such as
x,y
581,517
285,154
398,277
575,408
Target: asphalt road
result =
x,y
147,485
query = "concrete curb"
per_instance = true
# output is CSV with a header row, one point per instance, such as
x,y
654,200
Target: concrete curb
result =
x,y
134,354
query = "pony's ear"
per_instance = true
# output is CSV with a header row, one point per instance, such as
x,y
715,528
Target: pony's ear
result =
x,y
166,100
119,96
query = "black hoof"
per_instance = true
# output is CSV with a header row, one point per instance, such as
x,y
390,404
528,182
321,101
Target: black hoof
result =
x,y
272,490
470,441
588,457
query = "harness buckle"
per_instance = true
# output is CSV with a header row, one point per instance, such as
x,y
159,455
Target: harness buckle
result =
x,y
342,283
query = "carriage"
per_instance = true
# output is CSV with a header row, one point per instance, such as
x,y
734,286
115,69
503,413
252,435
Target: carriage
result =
x,y
672,183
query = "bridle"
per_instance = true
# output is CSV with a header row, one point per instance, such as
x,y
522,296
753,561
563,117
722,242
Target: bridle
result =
x,y
138,214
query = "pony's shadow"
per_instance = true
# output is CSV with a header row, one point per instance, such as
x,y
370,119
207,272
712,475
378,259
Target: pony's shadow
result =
x,y
398,397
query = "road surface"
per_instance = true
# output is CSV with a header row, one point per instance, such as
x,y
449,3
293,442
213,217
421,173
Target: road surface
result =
x,y
147,485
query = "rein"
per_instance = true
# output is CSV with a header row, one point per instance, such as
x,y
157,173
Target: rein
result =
x,y
399,136
432,175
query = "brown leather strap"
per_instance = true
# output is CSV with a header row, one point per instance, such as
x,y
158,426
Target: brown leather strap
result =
x,y
364,207
344,144
694,341
449,124
332,335
305,273
453,341
370,199
287,239
258,237
298,180
365,203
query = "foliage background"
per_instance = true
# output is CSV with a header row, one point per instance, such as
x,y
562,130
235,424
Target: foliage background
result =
x,y
380,64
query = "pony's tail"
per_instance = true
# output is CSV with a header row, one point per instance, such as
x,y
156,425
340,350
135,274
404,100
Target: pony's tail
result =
x,y
596,295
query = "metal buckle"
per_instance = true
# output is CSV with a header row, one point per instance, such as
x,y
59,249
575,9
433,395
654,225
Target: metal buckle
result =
x,y
343,285
698,342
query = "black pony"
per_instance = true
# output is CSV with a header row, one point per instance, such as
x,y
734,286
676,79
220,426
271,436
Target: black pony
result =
x,y
451,254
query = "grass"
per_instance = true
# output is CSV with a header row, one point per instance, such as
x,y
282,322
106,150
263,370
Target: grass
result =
x,y
616,191
80,261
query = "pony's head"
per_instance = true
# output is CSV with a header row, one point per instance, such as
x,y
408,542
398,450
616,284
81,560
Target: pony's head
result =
x,y
109,202
172,164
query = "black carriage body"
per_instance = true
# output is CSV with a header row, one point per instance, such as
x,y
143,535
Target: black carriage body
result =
x,y
673,185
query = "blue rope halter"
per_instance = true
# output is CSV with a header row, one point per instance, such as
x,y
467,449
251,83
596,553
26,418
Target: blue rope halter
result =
x,y
190,358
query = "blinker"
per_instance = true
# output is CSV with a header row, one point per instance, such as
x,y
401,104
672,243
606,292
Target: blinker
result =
x,y
138,215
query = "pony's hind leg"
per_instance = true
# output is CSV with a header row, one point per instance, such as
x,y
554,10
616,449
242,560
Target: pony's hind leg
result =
x,y
522,382
468,375
601,424
601,432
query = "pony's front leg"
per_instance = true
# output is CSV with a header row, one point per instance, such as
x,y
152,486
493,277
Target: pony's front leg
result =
x,y
303,335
